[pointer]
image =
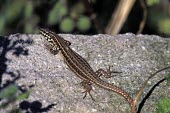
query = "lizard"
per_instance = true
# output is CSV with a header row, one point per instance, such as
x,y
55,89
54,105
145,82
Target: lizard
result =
x,y
81,67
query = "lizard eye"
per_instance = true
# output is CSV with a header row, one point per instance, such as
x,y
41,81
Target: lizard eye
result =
x,y
67,42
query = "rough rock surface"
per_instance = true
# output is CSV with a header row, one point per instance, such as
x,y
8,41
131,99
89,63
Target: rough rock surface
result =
x,y
136,56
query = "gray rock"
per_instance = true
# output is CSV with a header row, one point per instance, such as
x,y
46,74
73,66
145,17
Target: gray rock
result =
x,y
136,56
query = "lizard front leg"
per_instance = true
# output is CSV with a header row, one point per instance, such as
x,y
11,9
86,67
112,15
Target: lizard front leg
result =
x,y
107,73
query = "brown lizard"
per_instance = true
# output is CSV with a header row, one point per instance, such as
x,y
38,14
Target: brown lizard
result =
x,y
80,66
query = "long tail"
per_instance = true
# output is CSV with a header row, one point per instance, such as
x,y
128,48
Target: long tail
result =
x,y
117,90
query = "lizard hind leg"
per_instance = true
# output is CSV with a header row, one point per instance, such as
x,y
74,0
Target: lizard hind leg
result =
x,y
87,88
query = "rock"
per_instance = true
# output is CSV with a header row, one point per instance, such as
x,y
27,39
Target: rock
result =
x,y
136,56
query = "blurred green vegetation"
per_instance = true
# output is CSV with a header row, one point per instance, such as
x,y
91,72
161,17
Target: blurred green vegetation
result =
x,y
9,97
27,15
152,2
72,16
159,19
163,106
